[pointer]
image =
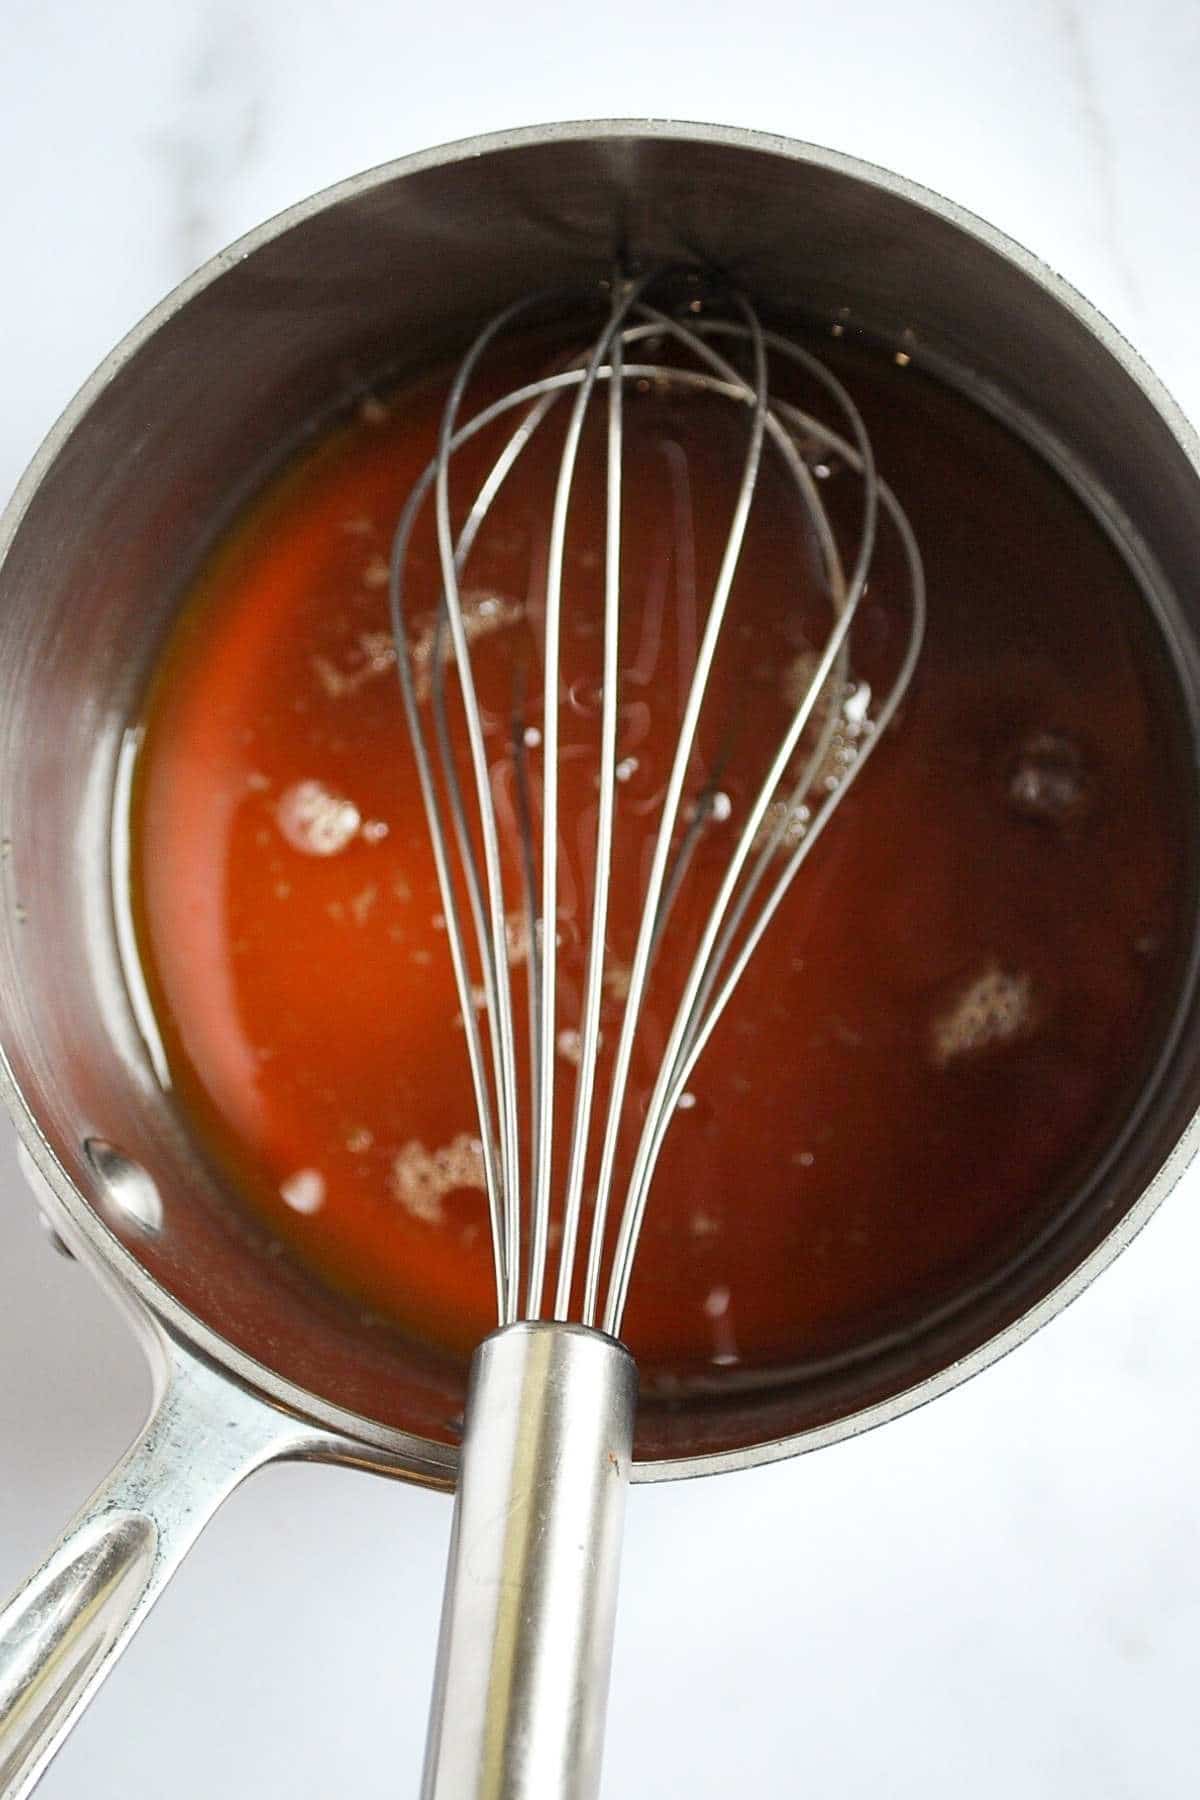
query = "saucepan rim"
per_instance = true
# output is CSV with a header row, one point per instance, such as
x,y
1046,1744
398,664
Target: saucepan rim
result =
x,y
404,1453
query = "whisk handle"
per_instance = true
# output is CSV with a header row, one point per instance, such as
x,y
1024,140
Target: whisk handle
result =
x,y
521,1681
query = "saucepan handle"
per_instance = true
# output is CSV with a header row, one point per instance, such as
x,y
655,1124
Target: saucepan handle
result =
x,y
521,1682
63,1632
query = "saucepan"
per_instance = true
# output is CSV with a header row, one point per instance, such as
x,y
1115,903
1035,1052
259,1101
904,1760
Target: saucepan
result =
x,y
383,275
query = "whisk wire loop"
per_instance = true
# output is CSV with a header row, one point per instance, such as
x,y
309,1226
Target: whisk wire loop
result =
x,y
606,806
735,926
670,813
626,296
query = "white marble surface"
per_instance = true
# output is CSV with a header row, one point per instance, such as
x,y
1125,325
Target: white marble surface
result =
x,y
998,1595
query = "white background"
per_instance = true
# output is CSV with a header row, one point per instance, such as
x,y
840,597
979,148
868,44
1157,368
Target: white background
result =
x,y
997,1596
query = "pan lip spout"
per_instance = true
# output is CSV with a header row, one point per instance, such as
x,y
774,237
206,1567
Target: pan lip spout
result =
x,y
151,1305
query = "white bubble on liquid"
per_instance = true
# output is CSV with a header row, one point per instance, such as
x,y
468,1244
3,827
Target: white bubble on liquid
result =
x,y
616,978
717,1303
790,821
995,1008
627,768
422,1178
718,1308
517,938
362,903
570,1046
316,821
854,706
372,655
485,608
374,652
304,1191
484,612
1048,780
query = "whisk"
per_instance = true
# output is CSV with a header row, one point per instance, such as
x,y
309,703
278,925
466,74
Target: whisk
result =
x,y
526,1639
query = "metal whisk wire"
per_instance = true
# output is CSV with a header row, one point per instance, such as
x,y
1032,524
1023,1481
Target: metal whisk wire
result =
x,y
732,932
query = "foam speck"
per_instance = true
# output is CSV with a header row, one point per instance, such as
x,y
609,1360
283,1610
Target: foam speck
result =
x,y
316,821
304,1191
422,1178
997,1007
1048,780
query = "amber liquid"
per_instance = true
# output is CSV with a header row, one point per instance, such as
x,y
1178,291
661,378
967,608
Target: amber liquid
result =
x,y
947,1023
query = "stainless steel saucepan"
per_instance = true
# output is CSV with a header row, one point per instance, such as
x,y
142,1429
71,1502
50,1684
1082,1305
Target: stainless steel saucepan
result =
x,y
379,276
